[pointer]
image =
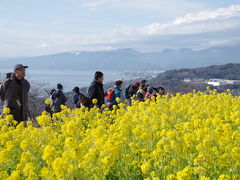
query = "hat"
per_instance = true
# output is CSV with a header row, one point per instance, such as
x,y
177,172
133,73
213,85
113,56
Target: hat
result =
x,y
18,66
144,80
137,84
59,86
76,90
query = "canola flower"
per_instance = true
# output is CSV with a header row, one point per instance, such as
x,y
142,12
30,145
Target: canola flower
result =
x,y
48,101
6,110
191,136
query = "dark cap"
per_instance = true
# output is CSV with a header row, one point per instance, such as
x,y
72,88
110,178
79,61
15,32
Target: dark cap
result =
x,y
144,80
18,66
59,86
76,90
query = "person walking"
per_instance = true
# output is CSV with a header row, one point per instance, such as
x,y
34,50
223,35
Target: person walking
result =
x,y
131,90
161,91
14,93
143,83
112,94
95,90
77,97
58,98
149,93
141,93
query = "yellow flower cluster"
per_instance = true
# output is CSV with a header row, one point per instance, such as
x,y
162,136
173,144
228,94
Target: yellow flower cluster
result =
x,y
48,101
192,136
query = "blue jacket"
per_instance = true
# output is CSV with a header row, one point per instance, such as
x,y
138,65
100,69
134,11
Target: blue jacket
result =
x,y
75,98
117,93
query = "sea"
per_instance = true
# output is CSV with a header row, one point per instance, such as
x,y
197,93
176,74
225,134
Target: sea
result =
x,y
72,78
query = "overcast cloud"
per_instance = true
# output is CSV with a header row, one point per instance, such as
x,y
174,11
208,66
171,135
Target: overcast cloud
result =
x,y
37,28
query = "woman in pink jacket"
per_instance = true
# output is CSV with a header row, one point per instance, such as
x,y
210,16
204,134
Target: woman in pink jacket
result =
x,y
149,93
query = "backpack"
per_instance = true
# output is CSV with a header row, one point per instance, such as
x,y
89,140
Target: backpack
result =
x,y
79,100
110,94
56,95
84,101
8,78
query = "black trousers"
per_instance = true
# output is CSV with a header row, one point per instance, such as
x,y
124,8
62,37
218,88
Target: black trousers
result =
x,y
17,114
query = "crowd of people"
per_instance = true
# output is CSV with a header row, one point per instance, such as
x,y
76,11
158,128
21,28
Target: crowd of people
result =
x,y
14,91
138,90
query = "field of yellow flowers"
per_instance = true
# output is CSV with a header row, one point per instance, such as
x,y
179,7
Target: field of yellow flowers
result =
x,y
192,136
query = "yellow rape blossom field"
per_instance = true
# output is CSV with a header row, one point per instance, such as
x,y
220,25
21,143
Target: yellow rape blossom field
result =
x,y
191,136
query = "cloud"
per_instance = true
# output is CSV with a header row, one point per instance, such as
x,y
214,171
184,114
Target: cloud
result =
x,y
144,5
202,22
197,30
224,41
43,46
97,3
198,22
222,13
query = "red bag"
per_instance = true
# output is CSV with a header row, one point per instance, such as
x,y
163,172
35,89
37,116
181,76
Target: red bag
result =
x,y
110,94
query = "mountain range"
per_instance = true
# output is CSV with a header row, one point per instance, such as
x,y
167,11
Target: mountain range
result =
x,y
129,59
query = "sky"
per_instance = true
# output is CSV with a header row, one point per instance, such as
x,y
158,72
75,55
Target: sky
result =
x,y
33,28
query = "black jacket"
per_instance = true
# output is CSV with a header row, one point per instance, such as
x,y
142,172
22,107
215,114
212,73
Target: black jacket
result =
x,y
133,90
96,91
9,94
59,99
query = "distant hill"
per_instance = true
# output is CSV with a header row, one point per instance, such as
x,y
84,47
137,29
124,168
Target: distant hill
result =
x,y
130,59
173,79
116,60
229,71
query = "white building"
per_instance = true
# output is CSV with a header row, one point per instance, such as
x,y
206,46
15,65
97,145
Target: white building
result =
x,y
232,81
188,80
216,82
